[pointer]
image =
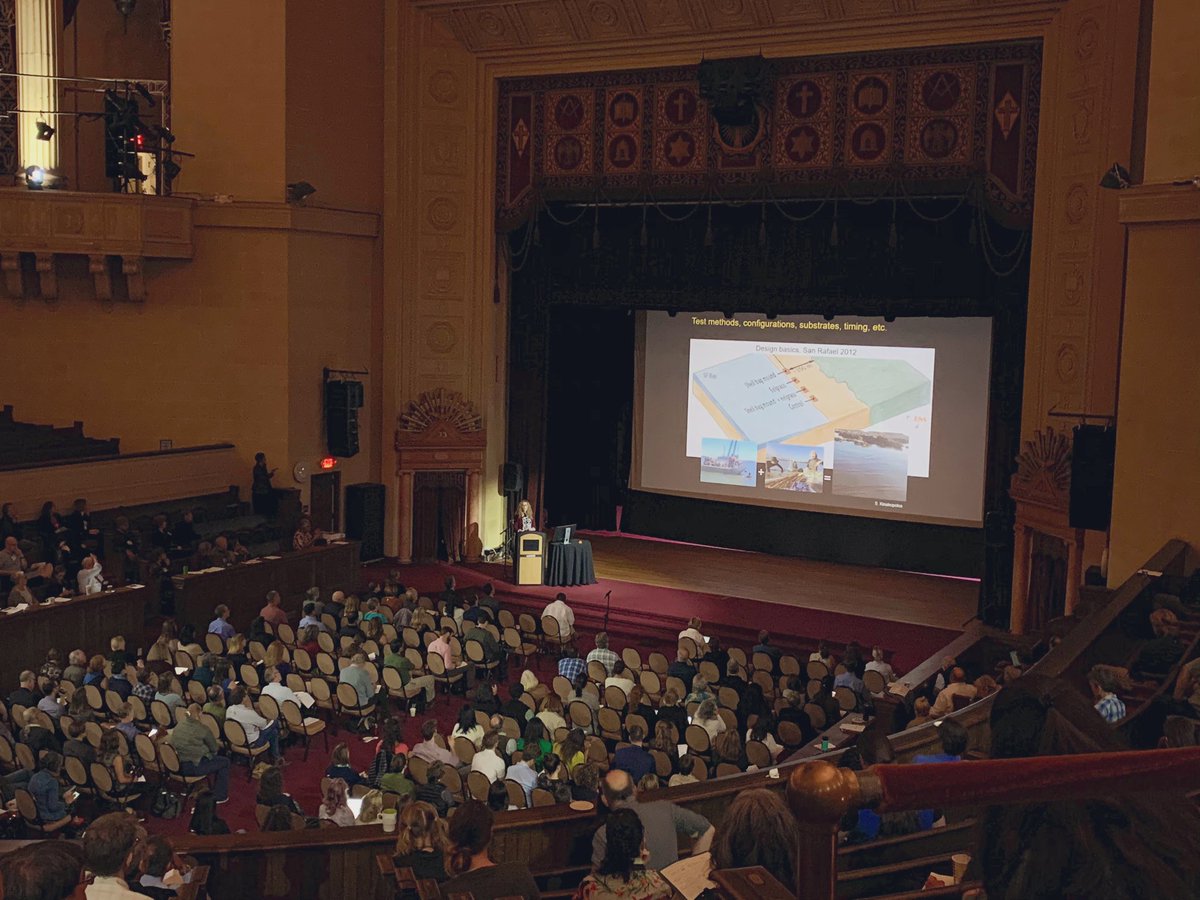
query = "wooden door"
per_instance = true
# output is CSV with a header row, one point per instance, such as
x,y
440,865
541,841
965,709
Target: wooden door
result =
x,y
325,501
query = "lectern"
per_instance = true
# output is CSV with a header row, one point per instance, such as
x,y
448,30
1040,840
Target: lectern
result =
x,y
529,562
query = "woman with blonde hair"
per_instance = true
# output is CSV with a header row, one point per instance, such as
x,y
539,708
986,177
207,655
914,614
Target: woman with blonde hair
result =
x,y
551,713
706,717
372,808
276,656
421,841
665,741
523,520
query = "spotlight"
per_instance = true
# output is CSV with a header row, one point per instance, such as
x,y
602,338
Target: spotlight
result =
x,y
164,134
45,131
1116,179
299,192
35,177
170,169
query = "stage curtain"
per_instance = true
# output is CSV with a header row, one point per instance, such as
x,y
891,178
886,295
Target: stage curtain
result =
x,y
452,494
439,509
1047,580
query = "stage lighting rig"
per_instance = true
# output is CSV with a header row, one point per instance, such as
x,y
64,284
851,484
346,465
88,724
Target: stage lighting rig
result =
x,y
35,178
299,191
45,130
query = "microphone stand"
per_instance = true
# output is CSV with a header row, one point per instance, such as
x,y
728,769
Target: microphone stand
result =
x,y
607,607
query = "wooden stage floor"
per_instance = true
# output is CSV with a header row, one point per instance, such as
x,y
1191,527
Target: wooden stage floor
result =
x,y
851,590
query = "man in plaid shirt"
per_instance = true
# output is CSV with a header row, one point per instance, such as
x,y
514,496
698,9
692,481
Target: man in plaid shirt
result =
x,y
602,654
1109,705
570,666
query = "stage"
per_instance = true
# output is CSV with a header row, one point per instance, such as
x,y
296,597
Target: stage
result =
x,y
656,585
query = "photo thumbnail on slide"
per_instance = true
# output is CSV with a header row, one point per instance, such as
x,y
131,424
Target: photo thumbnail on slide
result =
x,y
792,467
871,464
725,461
801,394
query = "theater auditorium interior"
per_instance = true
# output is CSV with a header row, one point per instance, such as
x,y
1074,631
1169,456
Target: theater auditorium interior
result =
x,y
599,449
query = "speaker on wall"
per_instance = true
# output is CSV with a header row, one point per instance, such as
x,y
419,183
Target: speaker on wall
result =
x,y
1092,458
342,402
514,478
364,517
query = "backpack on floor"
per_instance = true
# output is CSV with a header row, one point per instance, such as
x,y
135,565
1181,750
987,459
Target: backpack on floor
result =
x,y
166,805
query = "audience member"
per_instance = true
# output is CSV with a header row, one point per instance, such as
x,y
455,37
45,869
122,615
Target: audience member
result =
x,y
620,873
487,760
339,767
563,614
310,618
467,727
708,719
759,830
199,753
683,775
957,687
472,869
693,631
877,664
90,575
46,870
1107,703
1158,655
433,791
47,792
355,674
429,750
273,613
953,738
108,850
220,625
204,815
921,716
259,731
664,823
602,654
421,842
513,708
334,807
682,668
764,645
634,758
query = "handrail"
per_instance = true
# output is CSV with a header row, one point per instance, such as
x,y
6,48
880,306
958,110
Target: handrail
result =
x,y
820,794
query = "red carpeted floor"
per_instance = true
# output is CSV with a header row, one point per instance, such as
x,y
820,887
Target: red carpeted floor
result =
x,y
643,616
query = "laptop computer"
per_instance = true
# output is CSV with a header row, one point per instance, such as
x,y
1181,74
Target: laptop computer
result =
x,y
562,534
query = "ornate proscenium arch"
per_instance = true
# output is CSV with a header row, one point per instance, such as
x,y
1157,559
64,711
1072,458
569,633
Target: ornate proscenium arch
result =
x,y
441,431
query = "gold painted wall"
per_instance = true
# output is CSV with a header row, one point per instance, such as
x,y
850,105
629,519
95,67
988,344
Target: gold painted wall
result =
x,y
1156,495
202,360
229,99
1173,129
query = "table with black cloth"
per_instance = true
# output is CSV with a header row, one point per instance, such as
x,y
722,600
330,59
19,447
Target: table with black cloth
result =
x,y
568,564
84,623
243,587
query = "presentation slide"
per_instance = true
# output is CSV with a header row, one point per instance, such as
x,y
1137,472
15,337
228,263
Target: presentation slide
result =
x,y
857,416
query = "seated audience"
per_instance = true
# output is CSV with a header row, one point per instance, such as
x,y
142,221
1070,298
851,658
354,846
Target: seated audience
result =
x,y
45,870
708,719
683,775
20,592
877,664
921,716
339,767
109,846
550,712
271,792
90,577
199,753
76,668
467,727
513,708
273,613
953,738
162,872
334,807
682,668
204,815
693,631
563,614
671,712
1158,655
471,867
524,773
764,645
396,780
356,675
957,687
602,654
621,873
258,730
421,842
305,535
429,750
47,793
664,823
487,760
634,758
433,791
220,625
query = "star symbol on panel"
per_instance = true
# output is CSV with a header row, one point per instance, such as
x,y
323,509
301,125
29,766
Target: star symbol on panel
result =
x,y
802,143
680,148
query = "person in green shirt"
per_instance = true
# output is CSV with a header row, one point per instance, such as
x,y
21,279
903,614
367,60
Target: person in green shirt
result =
x,y
215,706
394,658
198,752
395,781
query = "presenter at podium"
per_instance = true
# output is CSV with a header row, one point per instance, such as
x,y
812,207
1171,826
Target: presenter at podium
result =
x,y
523,520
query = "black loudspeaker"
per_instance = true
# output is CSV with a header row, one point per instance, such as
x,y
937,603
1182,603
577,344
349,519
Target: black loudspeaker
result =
x,y
514,478
364,517
342,402
733,87
1092,458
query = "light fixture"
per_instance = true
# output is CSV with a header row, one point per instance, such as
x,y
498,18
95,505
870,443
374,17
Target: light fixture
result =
x,y
672,313
727,314
828,317
35,177
299,191
1117,178
45,131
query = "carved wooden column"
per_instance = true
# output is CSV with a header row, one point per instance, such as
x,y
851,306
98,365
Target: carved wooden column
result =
x,y
404,550
441,431
1041,489
1018,615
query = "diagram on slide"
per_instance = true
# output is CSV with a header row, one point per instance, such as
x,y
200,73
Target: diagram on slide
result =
x,y
796,394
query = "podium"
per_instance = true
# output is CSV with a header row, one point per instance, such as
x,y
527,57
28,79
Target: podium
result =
x,y
529,563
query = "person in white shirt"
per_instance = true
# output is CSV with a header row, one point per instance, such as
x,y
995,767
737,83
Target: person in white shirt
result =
x,y
958,687
108,850
693,631
275,688
258,730
560,611
90,571
878,665
620,678
488,761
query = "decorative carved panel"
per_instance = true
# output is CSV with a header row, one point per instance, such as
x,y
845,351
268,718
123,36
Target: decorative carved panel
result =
x,y
127,227
1043,473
